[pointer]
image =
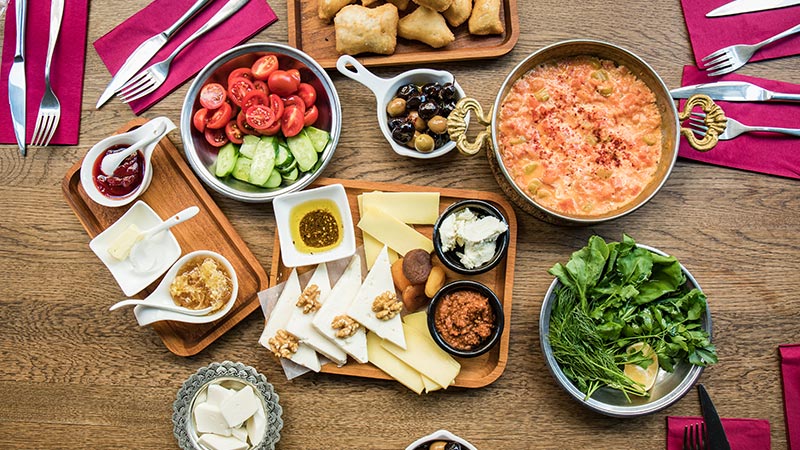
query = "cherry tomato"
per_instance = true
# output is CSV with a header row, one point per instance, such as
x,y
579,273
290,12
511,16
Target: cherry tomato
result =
x,y
238,89
264,66
273,130
294,73
233,132
242,72
282,84
292,121
254,97
295,100
276,103
261,86
220,117
310,116
216,137
307,93
212,96
245,127
200,119
260,117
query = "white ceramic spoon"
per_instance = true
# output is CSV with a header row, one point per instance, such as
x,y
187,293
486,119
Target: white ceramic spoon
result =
x,y
111,161
143,255
149,304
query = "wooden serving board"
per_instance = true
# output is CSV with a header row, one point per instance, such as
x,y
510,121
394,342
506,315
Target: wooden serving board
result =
x,y
475,372
314,36
175,187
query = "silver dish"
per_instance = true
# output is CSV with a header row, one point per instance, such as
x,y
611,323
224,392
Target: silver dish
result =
x,y
183,422
201,155
668,389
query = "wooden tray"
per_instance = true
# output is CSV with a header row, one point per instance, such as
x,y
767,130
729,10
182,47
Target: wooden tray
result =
x,y
312,35
175,187
475,372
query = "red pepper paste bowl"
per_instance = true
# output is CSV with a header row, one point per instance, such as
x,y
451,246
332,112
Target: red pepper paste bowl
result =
x,y
447,314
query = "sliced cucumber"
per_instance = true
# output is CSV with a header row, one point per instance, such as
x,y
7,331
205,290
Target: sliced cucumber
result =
x,y
303,151
249,145
319,138
274,179
241,171
288,168
283,158
226,160
292,176
263,161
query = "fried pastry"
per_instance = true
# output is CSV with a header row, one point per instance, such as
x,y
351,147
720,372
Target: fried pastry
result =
x,y
361,30
327,9
425,25
458,12
402,5
370,3
436,5
485,18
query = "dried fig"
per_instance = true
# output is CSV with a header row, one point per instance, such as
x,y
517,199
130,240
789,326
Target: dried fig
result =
x,y
417,266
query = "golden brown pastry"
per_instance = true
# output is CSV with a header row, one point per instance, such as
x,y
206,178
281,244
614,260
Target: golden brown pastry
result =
x,y
425,25
327,9
370,3
458,12
402,5
485,18
361,30
436,5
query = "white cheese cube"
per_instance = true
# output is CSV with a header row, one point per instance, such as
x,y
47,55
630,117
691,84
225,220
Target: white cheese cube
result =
x,y
208,419
217,394
240,406
217,442
122,245
256,426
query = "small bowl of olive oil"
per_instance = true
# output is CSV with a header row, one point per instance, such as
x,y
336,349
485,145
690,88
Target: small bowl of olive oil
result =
x,y
314,226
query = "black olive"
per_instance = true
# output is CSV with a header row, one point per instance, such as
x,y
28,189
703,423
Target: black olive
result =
x,y
395,122
439,139
407,91
453,446
447,92
446,108
431,89
414,101
403,133
428,110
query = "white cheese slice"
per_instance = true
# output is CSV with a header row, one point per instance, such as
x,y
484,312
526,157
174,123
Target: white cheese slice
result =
x,y
279,318
209,419
240,406
217,394
300,322
392,365
426,357
240,432
256,426
340,298
378,281
216,442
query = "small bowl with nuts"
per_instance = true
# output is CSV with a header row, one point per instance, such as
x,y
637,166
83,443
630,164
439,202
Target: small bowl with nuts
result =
x,y
441,440
412,107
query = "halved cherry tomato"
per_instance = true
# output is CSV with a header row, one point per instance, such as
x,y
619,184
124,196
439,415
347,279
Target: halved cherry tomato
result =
x,y
233,132
241,120
307,93
261,86
273,130
282,84
254,97
276,103
200,119
212,96
260,117
310,115
292,121
216,137
294,73
220,117
242,72
264,66
238,89
295,100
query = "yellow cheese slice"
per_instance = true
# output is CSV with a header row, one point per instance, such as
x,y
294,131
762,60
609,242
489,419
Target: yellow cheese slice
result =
x,y
372,246
398,236
393,366
407,207
425,356
419,322
429,384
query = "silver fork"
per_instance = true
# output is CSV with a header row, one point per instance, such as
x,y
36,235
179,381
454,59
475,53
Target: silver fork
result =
x,y
728,59
149,80
50,108
694,436
733,128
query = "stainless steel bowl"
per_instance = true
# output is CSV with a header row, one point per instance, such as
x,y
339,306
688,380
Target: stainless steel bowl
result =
x,y
201,155
668,389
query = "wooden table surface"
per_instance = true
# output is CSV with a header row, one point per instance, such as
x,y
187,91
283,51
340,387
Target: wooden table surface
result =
x,y
76,376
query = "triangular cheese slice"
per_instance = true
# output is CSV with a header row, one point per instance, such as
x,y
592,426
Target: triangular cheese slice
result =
x,y
336,305
378,282
300,322
305,355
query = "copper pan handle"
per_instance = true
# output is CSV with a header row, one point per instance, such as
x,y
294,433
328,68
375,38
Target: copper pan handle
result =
x,y
714,121
457,126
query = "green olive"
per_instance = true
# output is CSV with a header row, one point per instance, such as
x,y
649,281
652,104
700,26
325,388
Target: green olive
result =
x,y
424,143
396,107
411,141
438,445
542,95
417,121
650,139
605,90
438,124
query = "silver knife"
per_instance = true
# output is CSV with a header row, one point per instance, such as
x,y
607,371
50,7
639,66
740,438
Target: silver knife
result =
x,y
145,52
16,79
716,438
746,6
734,91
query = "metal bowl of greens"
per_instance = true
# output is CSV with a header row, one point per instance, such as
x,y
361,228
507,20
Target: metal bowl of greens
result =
x,y
603,304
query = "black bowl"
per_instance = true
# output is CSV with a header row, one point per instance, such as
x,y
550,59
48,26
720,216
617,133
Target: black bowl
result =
x,y
495,304
481,209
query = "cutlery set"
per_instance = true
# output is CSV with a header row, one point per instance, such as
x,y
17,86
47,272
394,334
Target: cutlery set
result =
x,y
708,434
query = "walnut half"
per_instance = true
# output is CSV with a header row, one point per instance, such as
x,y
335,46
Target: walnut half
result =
x,y
345,326
309,299
386,305
283,344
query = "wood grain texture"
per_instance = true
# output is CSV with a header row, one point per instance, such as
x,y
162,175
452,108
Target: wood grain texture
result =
x,y
77,376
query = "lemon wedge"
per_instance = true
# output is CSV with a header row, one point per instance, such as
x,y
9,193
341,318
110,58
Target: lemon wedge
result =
x,y
635,372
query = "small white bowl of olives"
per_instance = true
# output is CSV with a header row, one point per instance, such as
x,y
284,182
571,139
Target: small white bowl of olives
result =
x,y
412,107
441,440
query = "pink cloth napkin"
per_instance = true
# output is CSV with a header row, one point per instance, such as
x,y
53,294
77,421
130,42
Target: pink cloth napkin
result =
x,y
66,70
758,152
115,47
709,34
790,370
743,434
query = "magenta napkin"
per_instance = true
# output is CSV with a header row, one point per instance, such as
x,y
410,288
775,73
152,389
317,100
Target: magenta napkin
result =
x,y
66,70
790,370
743,434
115,47
757,152
711,34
